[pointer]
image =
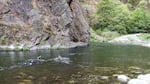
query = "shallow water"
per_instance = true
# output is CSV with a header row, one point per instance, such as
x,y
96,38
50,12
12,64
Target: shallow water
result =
x,y
94,64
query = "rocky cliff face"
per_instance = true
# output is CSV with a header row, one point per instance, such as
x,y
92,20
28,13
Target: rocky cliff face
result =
x,y
90,8
37,24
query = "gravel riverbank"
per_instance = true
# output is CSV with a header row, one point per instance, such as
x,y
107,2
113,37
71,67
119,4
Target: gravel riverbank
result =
x,y
133,39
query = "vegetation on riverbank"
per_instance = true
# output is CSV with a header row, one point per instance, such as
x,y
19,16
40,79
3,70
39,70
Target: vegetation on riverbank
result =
x,y
145,37
116,18
103,36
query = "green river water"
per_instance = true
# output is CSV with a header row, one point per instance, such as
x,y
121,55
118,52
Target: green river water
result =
x,y
97,63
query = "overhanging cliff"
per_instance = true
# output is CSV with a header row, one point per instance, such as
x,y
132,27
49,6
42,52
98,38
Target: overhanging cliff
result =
x,y
38,24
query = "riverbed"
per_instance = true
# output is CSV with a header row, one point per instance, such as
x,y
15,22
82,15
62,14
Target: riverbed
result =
x,y
98,63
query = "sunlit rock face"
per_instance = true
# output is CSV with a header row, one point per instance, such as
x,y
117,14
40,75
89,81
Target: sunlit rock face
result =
x,y
36,23
90,8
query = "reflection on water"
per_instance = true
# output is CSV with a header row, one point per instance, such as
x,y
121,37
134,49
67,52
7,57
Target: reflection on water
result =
x,y
97,63
33,61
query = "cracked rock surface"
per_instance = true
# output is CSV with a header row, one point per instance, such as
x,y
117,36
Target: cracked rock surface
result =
x,y
43,23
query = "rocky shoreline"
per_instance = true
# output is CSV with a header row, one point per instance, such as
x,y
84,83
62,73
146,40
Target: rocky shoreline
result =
x,y
38,47
131,39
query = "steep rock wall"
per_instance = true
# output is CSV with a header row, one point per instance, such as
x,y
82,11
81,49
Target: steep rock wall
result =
x,y
38,24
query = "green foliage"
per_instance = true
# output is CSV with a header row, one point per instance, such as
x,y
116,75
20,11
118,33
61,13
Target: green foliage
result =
x,y
145,37
94,36
103,36
117,16
107,34
17,48
137,22
106,10
134,3
26,48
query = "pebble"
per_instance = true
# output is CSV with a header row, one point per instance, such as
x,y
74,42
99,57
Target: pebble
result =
x,y
71,82
31,77
27,81
1,68
123,78
141,79
134,68
105,77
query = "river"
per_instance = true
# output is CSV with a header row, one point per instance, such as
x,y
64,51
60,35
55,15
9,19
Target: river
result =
x,y
97,63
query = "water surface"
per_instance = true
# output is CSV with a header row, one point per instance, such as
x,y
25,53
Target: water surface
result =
x,y
95,64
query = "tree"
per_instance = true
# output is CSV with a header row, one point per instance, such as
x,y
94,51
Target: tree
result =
x,y
118,16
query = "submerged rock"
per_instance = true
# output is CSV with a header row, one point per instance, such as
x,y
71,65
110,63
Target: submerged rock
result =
x,y
105,78
61,59
1,68
37,60
25,81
